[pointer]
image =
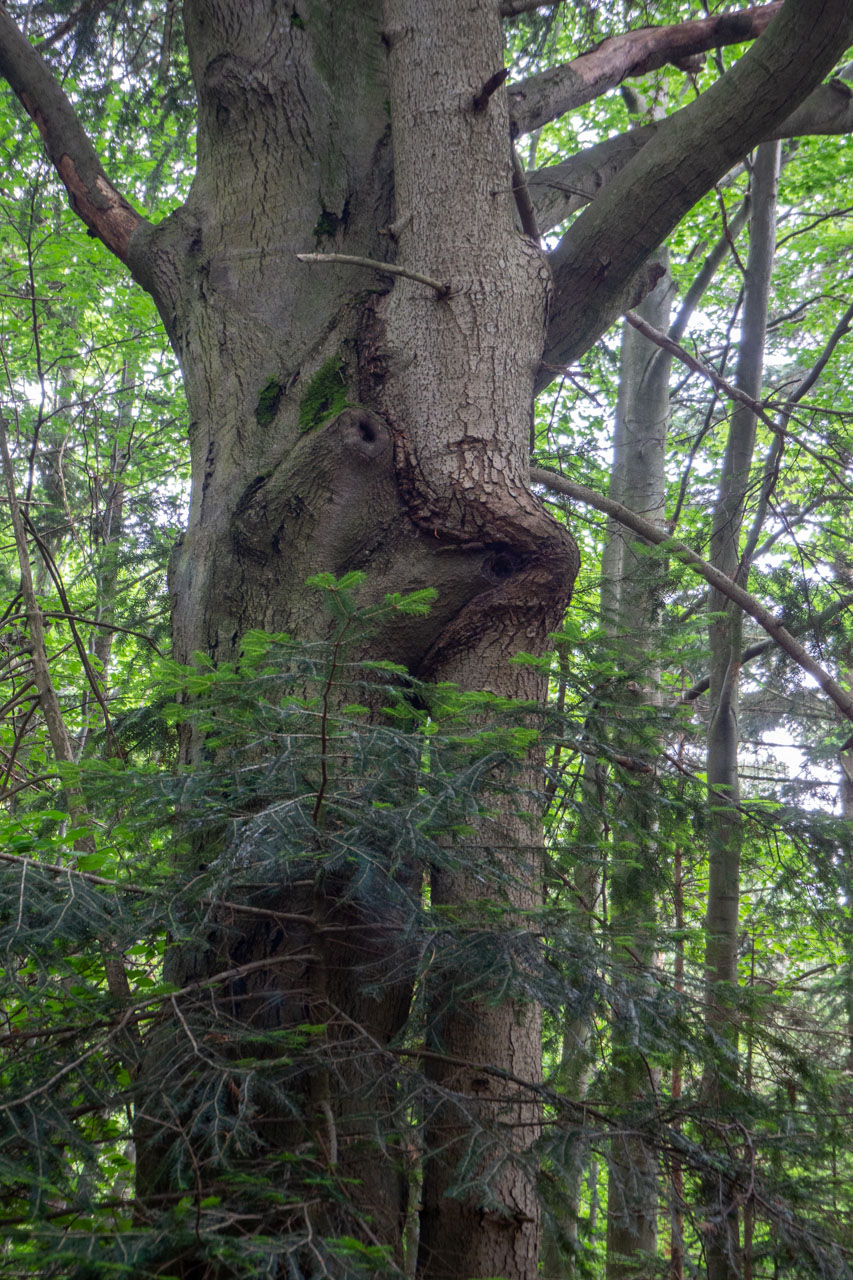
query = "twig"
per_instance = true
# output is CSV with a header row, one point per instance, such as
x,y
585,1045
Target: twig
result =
x,y
373,264
93,622
761,646
721,384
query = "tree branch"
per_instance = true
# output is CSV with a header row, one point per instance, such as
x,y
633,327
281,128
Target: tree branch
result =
x,y
512,8
548,94
759,647
372,264
779,426
559,190
89,9
91,194
658,537
598,266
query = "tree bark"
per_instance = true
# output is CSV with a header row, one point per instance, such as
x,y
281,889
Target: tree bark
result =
x,y
638,474
726,643
466,476
552,93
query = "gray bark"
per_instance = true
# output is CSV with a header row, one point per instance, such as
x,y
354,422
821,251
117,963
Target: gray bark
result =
x,y
726,644
638,475
552,93
597,261
475,393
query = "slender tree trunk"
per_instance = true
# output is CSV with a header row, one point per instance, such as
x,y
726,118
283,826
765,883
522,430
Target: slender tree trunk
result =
x,y
638,476
560,1243
676,1212
726,643
105,538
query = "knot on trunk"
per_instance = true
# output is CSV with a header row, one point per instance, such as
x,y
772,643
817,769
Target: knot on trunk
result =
x,y
332,482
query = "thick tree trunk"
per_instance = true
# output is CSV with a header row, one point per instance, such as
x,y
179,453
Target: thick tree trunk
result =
x,y
338,423
461,414
726,643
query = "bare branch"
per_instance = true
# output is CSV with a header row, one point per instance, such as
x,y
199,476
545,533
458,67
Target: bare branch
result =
x,y
373,264
494,82
91,194
523,203
543,97
93,622
658,537
779,426
719,383
559,190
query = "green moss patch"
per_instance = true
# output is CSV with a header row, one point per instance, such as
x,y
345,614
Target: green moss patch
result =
x,y
325,397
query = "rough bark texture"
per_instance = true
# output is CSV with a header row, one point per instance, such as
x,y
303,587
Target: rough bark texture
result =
x,y
465,480
340,422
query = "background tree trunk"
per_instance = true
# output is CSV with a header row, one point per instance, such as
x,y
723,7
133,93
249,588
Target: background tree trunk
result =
x,y
726,644
639,478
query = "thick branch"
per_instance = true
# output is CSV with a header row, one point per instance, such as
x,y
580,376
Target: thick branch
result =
x,y
602,255
543,97
653,534
92,196
559,190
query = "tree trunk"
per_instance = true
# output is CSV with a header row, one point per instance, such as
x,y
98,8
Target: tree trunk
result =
x,y
638,482
344,417
338,423
726,643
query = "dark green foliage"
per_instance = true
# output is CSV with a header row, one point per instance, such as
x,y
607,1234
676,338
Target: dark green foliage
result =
x,y
357,786
344,775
